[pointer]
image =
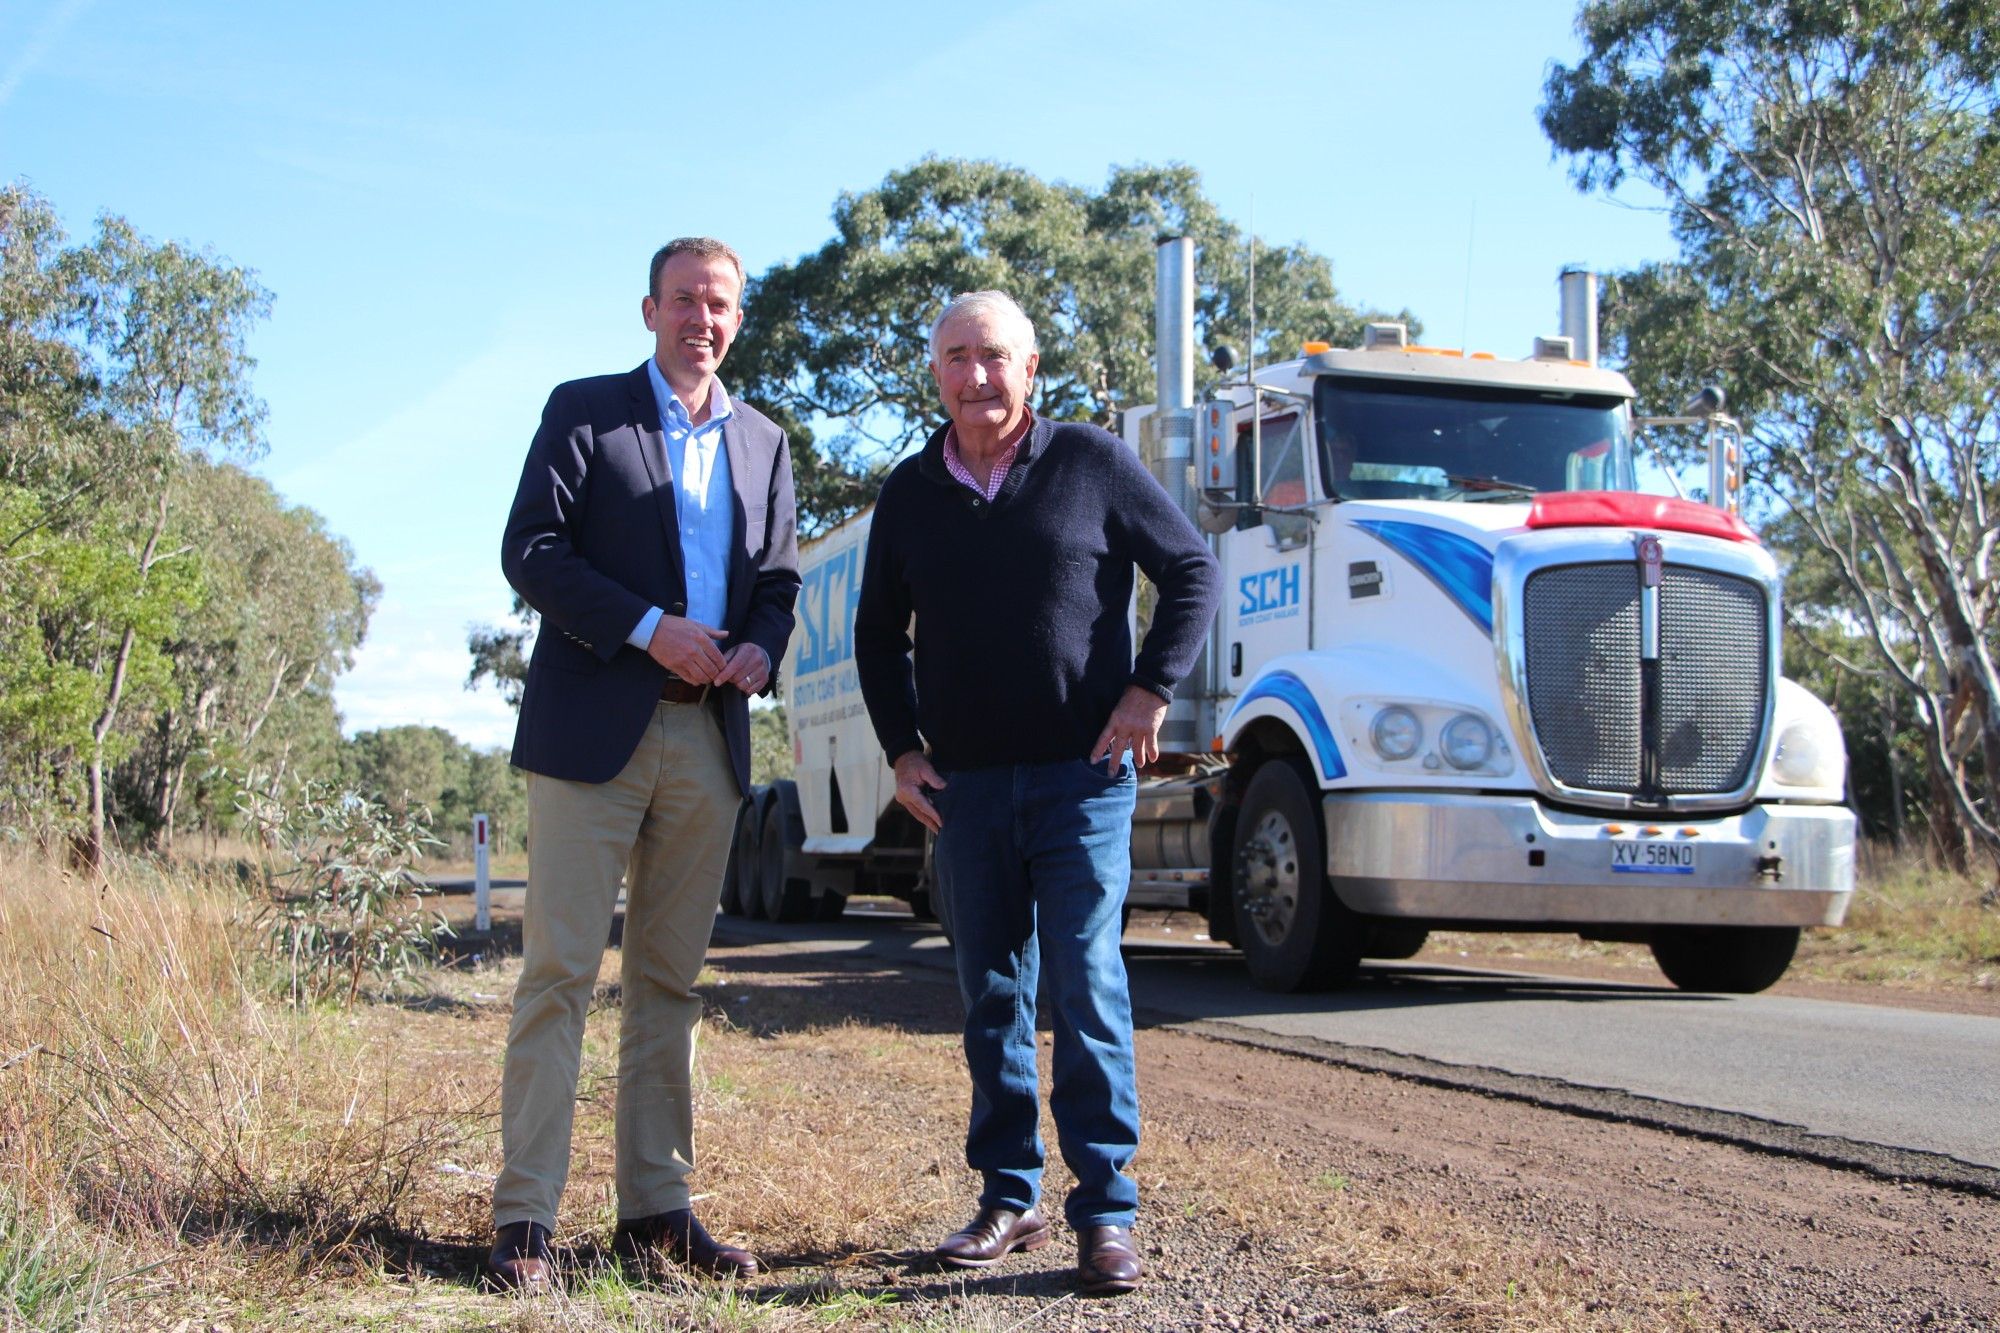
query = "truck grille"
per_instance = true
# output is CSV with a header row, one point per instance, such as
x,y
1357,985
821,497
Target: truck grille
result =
x,y
1713,666
1586,680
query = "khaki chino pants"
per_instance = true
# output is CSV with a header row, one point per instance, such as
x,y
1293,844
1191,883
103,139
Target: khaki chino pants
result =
x,y
663,824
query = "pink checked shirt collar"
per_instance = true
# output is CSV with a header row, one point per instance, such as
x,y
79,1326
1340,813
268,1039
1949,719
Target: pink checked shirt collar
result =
x,y
956,465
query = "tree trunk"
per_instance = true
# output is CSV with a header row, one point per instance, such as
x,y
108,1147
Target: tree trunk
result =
x,y
100,731
1948,837
1897,830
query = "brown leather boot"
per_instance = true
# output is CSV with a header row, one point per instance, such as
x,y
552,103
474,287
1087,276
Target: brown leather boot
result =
x,y
1106,1259
682,1240
520,1260
992,1236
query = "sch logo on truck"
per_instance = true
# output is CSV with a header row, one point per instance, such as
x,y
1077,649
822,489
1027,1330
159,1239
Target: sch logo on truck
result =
x,y
1270,595
827,595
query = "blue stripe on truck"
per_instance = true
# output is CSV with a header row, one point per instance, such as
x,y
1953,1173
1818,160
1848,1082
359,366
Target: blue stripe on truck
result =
x,y
1295,694
1460,566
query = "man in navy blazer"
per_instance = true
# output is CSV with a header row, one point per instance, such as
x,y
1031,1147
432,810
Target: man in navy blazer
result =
x,y
654,531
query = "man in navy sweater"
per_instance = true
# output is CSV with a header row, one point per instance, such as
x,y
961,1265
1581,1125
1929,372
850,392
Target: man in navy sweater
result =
x,y
1012,541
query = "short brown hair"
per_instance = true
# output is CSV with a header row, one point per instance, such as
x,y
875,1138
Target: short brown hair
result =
x,y
705,246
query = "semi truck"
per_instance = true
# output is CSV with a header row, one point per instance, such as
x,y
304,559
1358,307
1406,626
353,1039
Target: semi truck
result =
x,y
1465,676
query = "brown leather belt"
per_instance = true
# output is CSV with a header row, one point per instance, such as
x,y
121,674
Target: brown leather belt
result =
x,y
678,691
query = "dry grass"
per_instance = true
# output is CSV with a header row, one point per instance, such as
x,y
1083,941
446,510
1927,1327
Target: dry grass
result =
x,y
177,1143
1909,926
1913,925
162,1107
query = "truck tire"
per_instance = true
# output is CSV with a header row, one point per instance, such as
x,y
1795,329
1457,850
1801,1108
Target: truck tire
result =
x,y
1392,939
1731,960
751,857
728,903
786,897
1294,933
830,906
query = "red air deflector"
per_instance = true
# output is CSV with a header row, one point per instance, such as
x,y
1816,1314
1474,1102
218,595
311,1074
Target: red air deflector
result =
x,y
1628,509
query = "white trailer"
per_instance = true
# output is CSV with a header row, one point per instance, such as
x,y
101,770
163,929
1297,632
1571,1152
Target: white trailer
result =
x,y
1464,675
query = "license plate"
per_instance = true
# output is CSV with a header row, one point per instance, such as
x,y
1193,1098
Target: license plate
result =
x,y
1632,856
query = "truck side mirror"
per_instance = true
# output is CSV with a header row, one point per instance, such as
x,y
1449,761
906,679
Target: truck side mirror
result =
x,y
1215,465
1707,403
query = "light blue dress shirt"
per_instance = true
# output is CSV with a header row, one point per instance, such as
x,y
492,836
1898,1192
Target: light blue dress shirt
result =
x,y
703,500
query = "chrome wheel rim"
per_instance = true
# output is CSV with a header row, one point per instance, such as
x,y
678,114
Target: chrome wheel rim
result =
x,y
1268,881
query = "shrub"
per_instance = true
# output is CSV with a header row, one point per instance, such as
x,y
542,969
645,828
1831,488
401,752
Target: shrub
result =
x,y
354,905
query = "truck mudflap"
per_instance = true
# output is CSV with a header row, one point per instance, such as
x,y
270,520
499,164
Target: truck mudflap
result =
x,y
1512,859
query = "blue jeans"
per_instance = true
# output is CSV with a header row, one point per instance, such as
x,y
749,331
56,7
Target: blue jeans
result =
x,y
1033,862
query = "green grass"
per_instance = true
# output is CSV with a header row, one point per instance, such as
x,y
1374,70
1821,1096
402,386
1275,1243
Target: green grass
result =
x,y
51,1277
1910,924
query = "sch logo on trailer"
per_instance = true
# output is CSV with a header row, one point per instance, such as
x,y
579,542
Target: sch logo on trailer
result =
x,y
827,596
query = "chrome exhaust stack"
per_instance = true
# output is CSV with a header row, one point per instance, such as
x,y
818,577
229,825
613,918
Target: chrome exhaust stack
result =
x,y
1579,312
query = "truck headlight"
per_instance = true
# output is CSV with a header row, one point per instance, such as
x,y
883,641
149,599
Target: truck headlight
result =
x,y
1810,754
1396,733
1466,741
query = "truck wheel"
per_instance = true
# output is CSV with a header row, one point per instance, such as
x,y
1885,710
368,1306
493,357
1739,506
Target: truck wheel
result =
x,y
1733,960
1294,933
786,897
830,906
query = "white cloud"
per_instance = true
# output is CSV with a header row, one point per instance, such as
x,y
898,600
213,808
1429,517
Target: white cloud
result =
x,y
37,50
412,672
423,496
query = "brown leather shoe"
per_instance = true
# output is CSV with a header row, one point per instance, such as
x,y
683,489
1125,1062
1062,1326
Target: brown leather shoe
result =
x,y
520,1259
992,1236
1106,1259
679,1238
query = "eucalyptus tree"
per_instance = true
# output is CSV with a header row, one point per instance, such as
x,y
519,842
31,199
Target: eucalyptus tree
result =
x,y
838,337
1832,168
155,600
284,608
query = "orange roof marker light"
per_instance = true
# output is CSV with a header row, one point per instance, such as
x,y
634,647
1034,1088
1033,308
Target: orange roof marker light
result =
x,y
1436,351
1315,348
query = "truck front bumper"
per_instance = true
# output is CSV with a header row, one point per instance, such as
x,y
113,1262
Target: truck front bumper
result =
x,y
1512,859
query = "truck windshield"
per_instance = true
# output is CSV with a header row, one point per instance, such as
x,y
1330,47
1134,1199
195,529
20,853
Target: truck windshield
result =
x,y
1387,439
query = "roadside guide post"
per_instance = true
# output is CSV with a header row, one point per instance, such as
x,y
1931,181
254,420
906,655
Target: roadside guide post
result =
x,y
482,883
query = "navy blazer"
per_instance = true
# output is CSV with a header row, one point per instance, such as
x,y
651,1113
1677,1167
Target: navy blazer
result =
x,y
593,541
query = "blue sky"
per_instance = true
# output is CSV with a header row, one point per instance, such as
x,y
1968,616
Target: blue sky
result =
x,y
455,205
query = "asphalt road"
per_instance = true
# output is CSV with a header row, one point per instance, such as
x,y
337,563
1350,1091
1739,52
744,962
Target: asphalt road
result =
x,y
1830,1076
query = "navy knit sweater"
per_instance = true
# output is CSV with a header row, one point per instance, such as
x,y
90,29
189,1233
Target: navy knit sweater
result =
x,y
1022,648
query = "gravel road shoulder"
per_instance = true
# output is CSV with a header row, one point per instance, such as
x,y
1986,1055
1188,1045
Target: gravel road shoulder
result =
x,y
1660,1228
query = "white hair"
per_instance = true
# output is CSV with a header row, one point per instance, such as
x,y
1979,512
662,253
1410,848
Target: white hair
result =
x,y
996,304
